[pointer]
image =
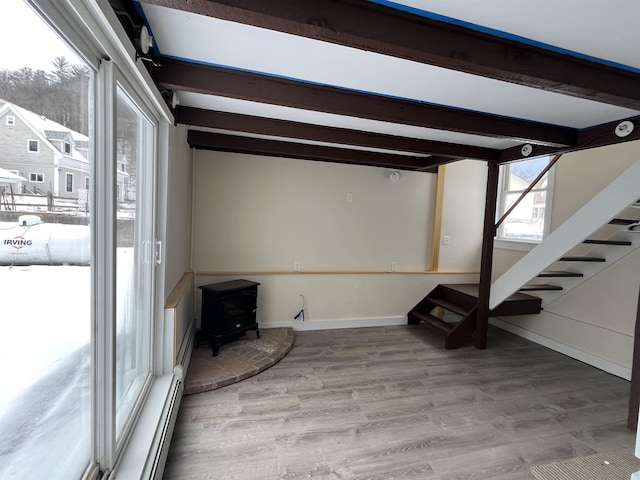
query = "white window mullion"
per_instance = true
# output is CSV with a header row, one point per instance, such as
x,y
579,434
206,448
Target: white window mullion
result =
x,y
104,287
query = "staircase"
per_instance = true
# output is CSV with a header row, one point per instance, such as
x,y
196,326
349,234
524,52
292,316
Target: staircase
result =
x,y
594,238
462,300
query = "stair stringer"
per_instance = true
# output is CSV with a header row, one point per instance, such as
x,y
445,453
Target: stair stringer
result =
x,y
620,193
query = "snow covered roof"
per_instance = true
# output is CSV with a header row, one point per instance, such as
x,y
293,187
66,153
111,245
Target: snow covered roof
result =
x,y
9,177
49,130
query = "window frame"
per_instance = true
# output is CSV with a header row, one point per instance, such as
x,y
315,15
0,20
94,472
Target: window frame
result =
x,y
515,243
36,174
37,145
10,120
66,147
95,33
67,176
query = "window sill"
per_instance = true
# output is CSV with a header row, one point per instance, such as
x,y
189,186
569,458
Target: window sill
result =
x,y
518,245
139,449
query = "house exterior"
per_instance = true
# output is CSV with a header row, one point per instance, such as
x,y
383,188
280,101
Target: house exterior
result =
x,y
52,157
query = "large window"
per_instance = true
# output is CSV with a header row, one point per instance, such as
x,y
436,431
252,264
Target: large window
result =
x,y
46,366
79,347
528,220
134,258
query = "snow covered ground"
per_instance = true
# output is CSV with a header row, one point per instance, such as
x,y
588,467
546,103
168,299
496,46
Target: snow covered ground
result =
x,y
45,398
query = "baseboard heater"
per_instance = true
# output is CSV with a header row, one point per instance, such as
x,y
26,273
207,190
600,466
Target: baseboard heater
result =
x,y
162,440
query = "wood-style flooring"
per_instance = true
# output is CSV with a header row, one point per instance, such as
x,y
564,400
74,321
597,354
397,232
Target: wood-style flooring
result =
x,y
391,403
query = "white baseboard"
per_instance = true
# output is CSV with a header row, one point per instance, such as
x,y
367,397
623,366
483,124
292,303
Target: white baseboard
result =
x,y
588,358
338,323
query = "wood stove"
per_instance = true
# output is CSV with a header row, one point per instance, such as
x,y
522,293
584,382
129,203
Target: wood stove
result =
x,y
228,311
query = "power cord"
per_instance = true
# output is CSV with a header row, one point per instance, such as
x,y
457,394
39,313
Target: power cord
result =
x,y
301,312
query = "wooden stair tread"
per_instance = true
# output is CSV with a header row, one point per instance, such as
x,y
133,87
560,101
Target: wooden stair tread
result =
x,y
621,221
539,287
582,259
608,242
447,305
517,303
472,289
559,273
434,321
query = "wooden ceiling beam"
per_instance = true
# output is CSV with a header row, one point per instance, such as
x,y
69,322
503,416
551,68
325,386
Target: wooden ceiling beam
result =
x,y
259,146
214,80
304,131
378,28
591,137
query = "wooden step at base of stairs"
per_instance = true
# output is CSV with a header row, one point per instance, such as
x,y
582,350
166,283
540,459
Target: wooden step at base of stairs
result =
x,y
608,242
621,221
433,321
449,305
515,304
541,287
559,274
582,259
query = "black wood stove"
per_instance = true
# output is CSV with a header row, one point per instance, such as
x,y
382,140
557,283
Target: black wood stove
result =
x,y
228,311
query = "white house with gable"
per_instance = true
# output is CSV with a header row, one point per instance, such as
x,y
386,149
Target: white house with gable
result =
x,y
51,157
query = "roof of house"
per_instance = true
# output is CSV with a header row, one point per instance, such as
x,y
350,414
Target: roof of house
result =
x,y
49,130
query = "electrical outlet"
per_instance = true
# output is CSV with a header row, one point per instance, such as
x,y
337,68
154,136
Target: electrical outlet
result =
x,y
296,266
446,240
349,197
394,266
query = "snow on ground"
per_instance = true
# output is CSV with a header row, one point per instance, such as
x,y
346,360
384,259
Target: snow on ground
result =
x,y
45,399
45,367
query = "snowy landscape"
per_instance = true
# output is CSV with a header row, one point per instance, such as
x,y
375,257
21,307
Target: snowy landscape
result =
x,y
45,357
45,366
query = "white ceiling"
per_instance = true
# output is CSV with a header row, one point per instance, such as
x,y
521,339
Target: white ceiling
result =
x,y
600,29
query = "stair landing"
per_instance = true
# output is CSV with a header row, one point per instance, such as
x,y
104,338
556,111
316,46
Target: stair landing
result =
x,y
515,304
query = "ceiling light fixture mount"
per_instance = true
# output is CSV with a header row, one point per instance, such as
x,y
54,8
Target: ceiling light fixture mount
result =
x,y
146,40
394,176
624,129
526,150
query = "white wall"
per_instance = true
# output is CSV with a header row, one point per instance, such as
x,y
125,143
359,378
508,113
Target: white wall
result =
x,y
598,317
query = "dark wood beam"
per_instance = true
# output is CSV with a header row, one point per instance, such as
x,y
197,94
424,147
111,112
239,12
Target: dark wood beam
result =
x,y
378,28
259,146
305,131
591,137
486,259
226,82
634,395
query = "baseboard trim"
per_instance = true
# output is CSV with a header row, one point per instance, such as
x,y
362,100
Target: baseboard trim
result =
x,y
339,323
588,358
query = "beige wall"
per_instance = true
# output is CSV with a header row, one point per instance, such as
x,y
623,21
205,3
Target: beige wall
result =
x,y
598,317
463,215
178,209
582,174
343,300
260,214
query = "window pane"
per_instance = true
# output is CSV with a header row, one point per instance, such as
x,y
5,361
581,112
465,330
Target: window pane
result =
x,y
134,256
521,174
526,222
45,270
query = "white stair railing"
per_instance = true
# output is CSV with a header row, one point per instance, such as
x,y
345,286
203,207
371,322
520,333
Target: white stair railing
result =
x,y
620,193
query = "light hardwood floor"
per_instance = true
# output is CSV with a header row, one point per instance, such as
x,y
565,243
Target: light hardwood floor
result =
x,y
391,403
